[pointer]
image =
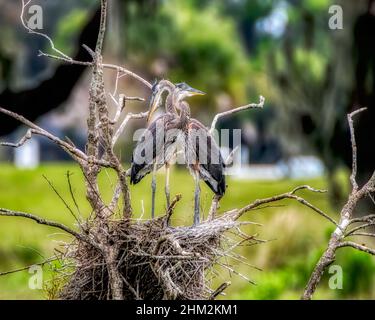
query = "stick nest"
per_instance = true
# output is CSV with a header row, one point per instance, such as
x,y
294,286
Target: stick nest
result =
x,y
155,261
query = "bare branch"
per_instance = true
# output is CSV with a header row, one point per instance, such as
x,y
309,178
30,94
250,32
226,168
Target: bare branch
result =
x,y
68,175
288,195
121,128
229,112
28,267
364,234
230,269
357,246
115,198
354,148
120,104
24,5
368,218
105,65
61,198
363,226
21,142
214,207
128,73
171,207
66,60
10,213
219,290
130,287
336,240
74,152
307,188
114,93
102,28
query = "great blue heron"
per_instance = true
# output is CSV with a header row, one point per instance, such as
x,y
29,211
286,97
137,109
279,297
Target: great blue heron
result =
x,y
202,155
156,100
157,145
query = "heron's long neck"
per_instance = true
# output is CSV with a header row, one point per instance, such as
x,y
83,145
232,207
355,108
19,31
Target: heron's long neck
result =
x,y
184,113
169,105
169,102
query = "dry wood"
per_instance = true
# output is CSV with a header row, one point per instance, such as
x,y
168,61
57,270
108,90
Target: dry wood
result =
x,y
346,220
130,259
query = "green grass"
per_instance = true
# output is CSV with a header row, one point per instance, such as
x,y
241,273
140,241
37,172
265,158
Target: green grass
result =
x,y
298,235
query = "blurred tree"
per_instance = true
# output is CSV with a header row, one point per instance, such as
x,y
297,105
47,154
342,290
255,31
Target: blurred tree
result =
x,y
313,70
51,91
188,41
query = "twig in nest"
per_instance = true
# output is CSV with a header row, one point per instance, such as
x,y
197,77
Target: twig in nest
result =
x,y
171,208
214,206
219,290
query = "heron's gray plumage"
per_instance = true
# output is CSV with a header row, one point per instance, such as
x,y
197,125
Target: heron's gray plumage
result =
x,y
207,160
159,143
163,147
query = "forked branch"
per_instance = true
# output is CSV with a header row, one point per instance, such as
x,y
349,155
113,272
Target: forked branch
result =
x,y
346,220
10,213
235,110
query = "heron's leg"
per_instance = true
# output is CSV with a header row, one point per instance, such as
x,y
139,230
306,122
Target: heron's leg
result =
x,y
167,193
196,199
153,188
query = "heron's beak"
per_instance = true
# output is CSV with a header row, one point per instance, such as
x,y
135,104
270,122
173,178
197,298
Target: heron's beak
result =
x,y
196,92
154,104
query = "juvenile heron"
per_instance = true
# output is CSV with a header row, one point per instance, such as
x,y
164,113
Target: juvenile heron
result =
x,y
157,145
156,101
202,154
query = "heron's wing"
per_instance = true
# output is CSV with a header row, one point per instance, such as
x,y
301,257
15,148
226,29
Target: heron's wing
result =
x,y
204,153
150,148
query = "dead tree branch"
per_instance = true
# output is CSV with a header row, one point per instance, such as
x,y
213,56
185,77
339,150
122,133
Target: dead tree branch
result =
x,y
346,220
235,110
129,116
357,246
10,213
75,153
127,258
28,267
354,148
288,195
117,68
24,5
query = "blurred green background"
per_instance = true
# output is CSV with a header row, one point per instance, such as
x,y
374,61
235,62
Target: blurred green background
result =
x,y
235,50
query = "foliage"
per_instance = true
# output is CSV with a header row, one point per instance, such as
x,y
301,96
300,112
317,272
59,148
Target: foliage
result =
x,y
195,42
66,30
